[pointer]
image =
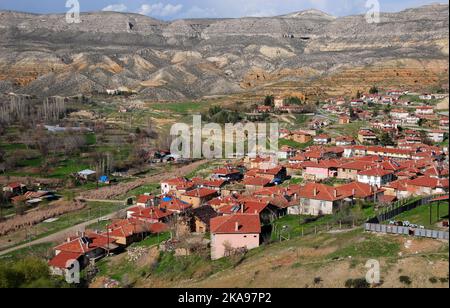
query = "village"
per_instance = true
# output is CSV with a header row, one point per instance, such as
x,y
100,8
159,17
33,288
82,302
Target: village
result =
x,y
373,153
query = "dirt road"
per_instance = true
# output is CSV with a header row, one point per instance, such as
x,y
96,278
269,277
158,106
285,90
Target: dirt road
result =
x,y
60,235
104,194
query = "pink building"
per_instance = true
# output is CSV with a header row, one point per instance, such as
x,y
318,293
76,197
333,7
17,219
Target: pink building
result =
x,y
321,170
233,233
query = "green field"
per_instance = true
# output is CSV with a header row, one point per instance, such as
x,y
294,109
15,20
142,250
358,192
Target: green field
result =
x,y
179,108
421,215
293,144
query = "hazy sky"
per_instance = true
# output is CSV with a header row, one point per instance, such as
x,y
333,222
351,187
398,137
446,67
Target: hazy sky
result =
x,y
174,9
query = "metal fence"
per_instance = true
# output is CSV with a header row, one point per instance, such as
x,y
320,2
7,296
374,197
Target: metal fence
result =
x,y
400,207
388,229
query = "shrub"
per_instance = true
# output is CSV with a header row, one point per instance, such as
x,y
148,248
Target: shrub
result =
x,y
406,280
433,280
359,283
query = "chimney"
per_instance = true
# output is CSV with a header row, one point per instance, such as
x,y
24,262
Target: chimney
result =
x,y
354,192
237,226
315,191
242,208
335,193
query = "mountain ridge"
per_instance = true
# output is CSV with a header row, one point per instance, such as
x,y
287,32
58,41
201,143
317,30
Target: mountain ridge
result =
x,y
181,59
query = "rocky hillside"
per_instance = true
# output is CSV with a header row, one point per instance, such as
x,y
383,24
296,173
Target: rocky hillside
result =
x,y
43,55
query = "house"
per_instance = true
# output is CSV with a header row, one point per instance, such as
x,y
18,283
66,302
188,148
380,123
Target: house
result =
x,y
279,102
63,262
256,183
344,141
438,172
376,176
87,175
361,191
264,109
444,122
201,219
321,170
217,185
198,197
234,233
174,205
357,102
396,92
150,215
300,136
318,199
437,135
426,97
367,136
398,189
286,152
15,188
227,173
147,200
266,211
350,170
343,120
412,120
389,152
277,174
322,139
128,231
176,186
428,186
399,114
85,248
424,110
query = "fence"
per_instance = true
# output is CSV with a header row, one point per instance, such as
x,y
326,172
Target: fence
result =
x,y
399,208
387,229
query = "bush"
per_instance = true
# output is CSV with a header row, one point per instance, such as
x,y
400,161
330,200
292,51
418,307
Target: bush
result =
x,y
406,280
359,283
433,280
27,273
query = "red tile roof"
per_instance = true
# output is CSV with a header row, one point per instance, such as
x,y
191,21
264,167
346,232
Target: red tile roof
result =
x,y
256,181
248,207
85,244
175,204
151,213
62,259
378,172
236,224
323,164
144,199
429,182
360,190
226,171
357,165
201,193
323,192
158,228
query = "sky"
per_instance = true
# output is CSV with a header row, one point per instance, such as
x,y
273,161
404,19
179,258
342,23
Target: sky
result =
x,y
177,9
